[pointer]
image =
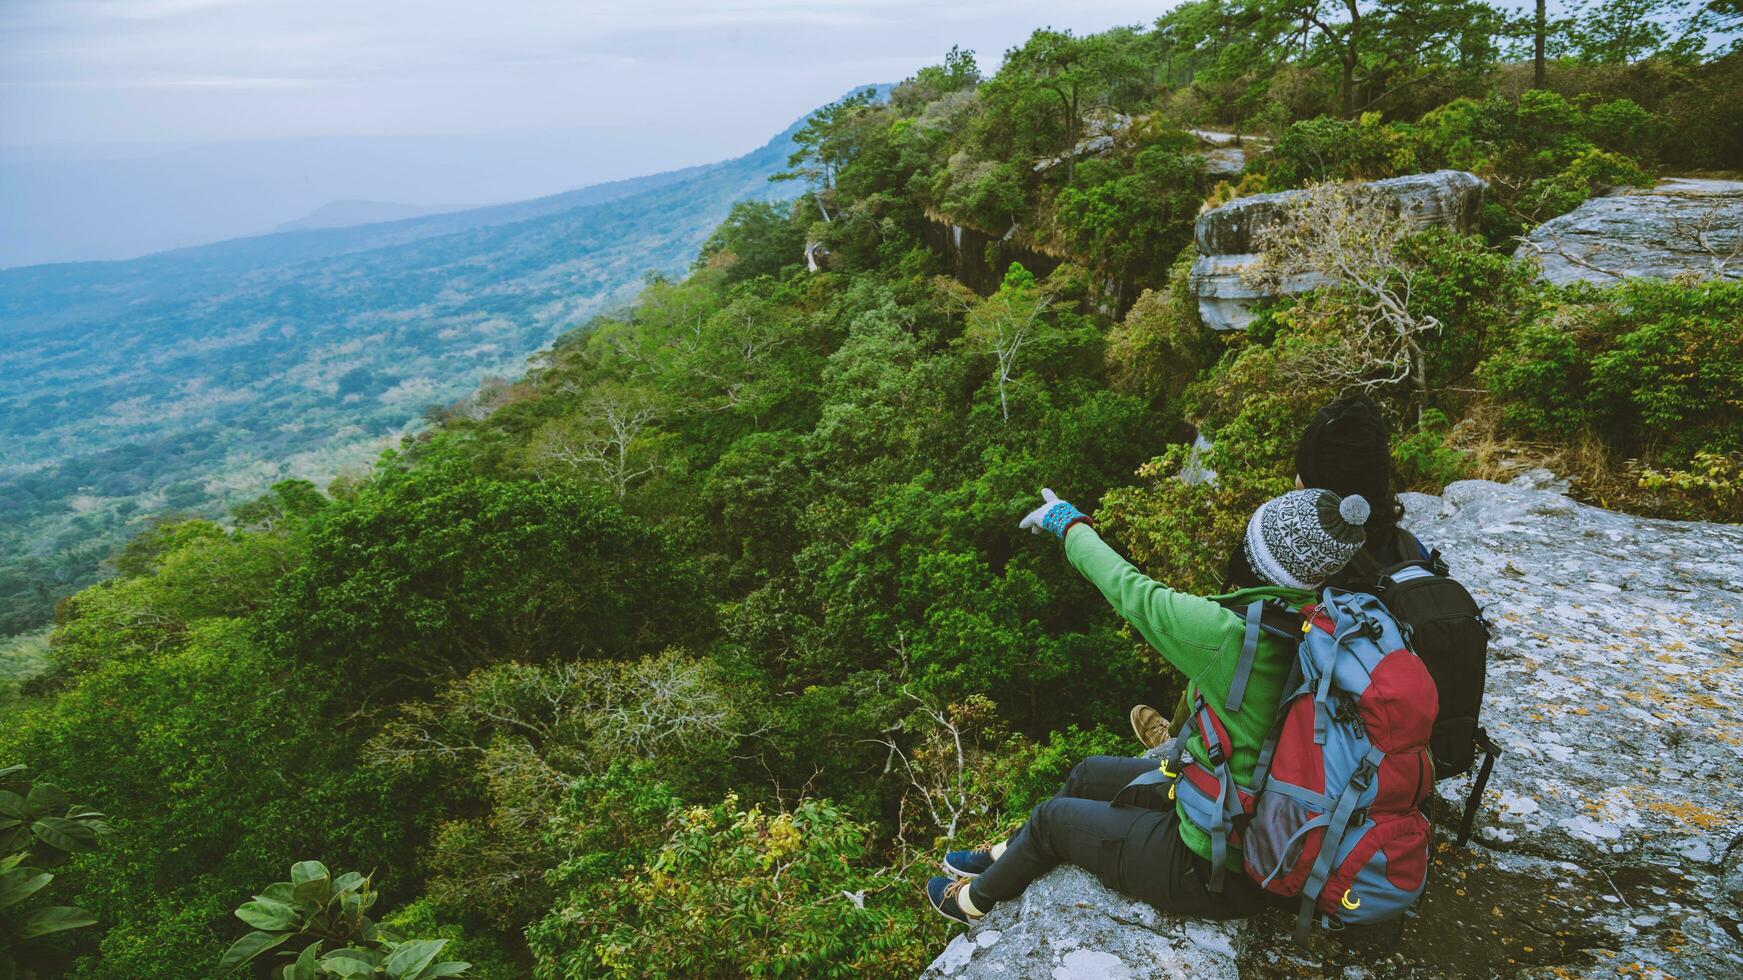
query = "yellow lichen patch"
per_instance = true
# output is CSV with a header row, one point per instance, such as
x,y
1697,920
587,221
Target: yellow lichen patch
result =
x,y
1685,811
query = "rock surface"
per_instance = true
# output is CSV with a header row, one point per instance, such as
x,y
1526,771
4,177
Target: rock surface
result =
x,y
1612,831
1225,154
1225,236
1682,226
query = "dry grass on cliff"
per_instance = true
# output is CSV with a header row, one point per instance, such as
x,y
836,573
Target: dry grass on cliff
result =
x,y
1596,474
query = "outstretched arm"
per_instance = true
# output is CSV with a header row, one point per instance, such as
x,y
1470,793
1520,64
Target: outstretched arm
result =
x,y
1188,630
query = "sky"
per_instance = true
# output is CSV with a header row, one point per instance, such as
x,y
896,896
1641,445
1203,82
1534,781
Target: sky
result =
x,y
723,74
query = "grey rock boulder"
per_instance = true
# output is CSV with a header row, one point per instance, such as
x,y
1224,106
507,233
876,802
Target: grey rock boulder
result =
x,y
1444,198
1067,926
1226,236
1682,226
1612,833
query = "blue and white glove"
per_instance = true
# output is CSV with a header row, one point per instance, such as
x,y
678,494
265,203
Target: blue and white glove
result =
x,y
1054,516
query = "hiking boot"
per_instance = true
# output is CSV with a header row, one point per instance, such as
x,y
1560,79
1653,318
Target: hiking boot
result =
x,y
1149,725
967,864
948,897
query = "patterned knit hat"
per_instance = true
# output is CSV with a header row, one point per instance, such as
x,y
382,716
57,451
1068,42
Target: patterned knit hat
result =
x,y
1304,537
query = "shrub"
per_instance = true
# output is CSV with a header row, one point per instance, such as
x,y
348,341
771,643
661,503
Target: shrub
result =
x,y
734,892
1160,344
40,825
1422,460
1327,148
316,925
1711,486
1654,367
1037,771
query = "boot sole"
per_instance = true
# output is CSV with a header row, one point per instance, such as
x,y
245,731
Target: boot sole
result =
x,y
1138,730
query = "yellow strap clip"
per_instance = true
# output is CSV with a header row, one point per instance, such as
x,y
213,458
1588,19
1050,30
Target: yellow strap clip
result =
x,y
1348,903
1163,765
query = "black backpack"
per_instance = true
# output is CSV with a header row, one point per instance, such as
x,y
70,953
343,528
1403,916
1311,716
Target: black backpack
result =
x,y
1445,627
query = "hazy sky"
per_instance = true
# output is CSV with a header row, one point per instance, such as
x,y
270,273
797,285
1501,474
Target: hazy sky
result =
x,y
728,73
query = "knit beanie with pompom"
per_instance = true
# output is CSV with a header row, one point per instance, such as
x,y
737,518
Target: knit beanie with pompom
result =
x,y
1304,537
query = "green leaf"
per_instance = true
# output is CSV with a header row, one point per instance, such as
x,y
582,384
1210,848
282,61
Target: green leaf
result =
x,y
350,963
16,886
269,915
68,835
278,891
311,894
308,871
446,968
11,861
55,918
247,948
7,773
47,798
304,967
409,960
350,881
11,804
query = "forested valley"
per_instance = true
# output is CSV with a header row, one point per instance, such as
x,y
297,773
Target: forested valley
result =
x,y
683,653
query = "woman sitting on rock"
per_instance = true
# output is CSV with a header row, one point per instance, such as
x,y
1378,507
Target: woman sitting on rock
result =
x,y
1151,850
1345,450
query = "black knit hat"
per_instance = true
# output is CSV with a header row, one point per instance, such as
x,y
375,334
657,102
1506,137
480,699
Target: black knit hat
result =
x,y
1344,450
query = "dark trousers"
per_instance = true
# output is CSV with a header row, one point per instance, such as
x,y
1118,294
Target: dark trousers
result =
x,y
1132,849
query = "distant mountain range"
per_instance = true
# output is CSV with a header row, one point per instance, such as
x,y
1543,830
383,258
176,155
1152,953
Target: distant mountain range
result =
x,y
121,201
344,214
183,380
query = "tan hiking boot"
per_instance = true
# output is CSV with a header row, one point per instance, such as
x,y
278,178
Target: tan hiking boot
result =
x,y
1149,725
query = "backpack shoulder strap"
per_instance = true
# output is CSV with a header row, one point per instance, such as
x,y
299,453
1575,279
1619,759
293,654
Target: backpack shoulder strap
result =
x,y
1261,616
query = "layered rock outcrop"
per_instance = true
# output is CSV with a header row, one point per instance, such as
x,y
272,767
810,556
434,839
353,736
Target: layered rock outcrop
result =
x,y
1682,226
1612,832
1226,237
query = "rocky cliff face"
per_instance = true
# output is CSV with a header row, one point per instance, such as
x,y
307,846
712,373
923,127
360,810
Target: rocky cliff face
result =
x,y
1682,226
1612,833
1226,236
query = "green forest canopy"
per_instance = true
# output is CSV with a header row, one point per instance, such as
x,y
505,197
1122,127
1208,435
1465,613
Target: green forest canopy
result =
x,y
686,654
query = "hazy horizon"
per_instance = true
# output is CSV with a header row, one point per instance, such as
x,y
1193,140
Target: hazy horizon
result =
x,y
130,126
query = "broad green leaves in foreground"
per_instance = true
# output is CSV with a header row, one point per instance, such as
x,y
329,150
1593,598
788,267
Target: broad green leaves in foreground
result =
x,y
296,920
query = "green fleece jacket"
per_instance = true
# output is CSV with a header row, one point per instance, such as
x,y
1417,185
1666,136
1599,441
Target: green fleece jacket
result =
x,y
1203,639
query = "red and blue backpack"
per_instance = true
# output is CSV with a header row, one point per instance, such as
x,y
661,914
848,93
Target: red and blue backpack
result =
x,y
1333,812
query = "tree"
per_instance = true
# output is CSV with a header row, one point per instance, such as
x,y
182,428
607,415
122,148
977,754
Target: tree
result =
x,y
516,737
1351,238
758,238
1074,71
609,439
1620,32
1340,25
1540,37
1002,323
827,142
433,573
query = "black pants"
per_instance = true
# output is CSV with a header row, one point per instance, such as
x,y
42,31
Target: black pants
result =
x,y
1132,849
